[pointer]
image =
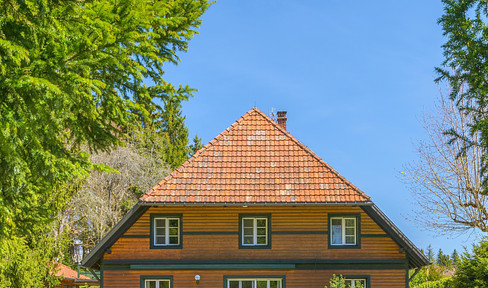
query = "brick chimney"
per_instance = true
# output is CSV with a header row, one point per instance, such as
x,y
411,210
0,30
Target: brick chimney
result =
x,y
281,120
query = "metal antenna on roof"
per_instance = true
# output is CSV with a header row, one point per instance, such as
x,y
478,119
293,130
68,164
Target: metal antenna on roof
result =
x,y
273,114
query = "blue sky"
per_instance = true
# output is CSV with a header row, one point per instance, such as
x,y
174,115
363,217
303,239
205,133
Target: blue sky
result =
x,y
354,76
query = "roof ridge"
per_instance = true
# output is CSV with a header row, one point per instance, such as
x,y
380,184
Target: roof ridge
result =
x,y
308,150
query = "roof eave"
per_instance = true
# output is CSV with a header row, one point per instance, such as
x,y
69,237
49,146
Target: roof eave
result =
x,y
109,239
358,203
415,258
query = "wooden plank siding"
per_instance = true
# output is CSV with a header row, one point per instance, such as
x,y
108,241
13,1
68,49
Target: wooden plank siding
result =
x,y
294,278
286,241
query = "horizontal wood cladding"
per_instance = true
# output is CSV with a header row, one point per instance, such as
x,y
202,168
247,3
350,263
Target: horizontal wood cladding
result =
x,y
215,279
212,233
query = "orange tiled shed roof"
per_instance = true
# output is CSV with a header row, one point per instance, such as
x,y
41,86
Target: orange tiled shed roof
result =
x,y
68,273
254,161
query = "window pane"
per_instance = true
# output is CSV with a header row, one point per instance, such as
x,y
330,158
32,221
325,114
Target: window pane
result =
x,y
160,222
233,284
350,222
160,231
350,231
336,221
160,240
356,282
248,240
173,240
247,283
173,223
150,284
248,231
274,284
350,240
261,231
336,234
261,222
262,240
248,222
164,284
173,231
348,282
262,284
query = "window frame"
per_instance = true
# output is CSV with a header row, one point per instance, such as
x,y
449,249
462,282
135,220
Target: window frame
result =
x,y
228,278
331,216
152,233
144,278
367,278
241,232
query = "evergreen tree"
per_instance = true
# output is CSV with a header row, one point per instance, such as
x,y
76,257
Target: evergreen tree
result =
x,y
71,76
455,258
430,254
197,145
165,134
440,256
71,85
472,270
172,126
443,260
465,68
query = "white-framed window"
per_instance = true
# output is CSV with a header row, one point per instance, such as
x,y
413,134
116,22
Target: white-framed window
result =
x,y
157,283
254,231
254,283
166,231
356,283
343,231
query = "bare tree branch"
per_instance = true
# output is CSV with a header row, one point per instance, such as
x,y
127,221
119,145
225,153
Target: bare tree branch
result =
x,y
104,198
445,180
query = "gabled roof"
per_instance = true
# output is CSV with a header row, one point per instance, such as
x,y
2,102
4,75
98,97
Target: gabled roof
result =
x,y
255,161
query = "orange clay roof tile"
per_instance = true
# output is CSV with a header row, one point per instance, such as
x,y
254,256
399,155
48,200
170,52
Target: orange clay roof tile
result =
x,y
254,161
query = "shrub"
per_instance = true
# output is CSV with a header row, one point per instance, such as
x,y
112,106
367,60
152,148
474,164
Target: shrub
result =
x,y
442,283
340,282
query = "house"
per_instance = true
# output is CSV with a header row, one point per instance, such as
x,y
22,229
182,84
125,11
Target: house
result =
x,y
71,278
254,208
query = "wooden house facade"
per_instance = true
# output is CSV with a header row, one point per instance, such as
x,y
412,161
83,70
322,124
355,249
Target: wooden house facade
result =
x,y
254,208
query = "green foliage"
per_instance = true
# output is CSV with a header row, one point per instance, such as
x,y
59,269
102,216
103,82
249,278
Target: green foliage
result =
x,y
340,282
434,275
465,68
426,274
21,266
441,283
71,75
472,271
